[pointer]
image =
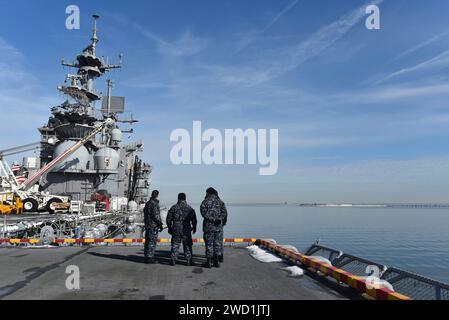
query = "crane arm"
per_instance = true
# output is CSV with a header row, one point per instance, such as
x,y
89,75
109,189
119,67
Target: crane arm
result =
x,y
32,180
5,169
20,149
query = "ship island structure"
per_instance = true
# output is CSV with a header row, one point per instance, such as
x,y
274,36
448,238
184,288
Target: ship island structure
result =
x,y
104,165
83,165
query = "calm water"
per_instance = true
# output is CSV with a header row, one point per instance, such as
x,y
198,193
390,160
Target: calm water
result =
x,y
416,240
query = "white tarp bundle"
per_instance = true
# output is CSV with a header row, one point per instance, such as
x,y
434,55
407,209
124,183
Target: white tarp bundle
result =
x,y
262,255
45,246
378,283
294,271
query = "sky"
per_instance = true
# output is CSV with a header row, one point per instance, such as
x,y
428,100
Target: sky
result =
x,y
362,114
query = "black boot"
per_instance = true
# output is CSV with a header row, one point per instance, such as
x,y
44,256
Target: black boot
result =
x,y
151,261
189,262
216,264
208,263
220,258
172,262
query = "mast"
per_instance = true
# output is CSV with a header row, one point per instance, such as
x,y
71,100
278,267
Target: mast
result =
x,y
94,36
109,83
78,157
89,68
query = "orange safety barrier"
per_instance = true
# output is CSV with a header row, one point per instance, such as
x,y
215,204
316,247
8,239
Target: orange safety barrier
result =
x,y
112,241
17,241
340,275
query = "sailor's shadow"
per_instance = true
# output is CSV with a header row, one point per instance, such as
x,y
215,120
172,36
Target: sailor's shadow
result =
x,y
164,254
162,257
132,258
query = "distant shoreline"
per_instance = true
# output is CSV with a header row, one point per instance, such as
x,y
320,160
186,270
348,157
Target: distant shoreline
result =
x,y
340,205
347,205
382,205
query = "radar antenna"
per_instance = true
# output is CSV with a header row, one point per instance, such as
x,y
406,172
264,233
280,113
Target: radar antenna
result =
x,y
94,36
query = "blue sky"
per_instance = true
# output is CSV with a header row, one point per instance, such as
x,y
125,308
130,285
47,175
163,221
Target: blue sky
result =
x,y
362,114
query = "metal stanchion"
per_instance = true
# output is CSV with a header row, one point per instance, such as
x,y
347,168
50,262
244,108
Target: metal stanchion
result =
x,y
4,227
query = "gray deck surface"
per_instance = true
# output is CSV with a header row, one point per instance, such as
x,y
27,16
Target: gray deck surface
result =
x,y
119,273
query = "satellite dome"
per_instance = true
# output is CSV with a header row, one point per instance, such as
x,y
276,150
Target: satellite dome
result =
x,y
132,206
106,159
116,135
76,161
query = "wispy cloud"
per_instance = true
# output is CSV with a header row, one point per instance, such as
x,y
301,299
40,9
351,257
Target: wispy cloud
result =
x,y
422,45
280,14
254,35
285,59
391,169
20,94
151,35
188,44
9,52
392,93
12,72
439,61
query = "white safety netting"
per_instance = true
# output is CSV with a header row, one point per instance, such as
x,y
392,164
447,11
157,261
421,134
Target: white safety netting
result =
x,y
262,255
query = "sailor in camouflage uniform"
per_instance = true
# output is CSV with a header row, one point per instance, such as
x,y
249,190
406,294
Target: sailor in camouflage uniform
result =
x,y
181,221
221,242
153,225
215,217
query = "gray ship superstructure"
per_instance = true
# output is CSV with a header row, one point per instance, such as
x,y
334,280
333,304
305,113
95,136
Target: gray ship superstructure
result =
x,y
103,165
